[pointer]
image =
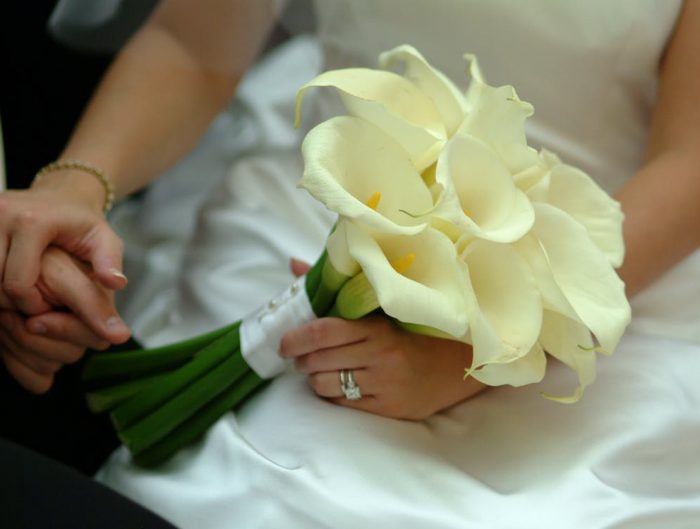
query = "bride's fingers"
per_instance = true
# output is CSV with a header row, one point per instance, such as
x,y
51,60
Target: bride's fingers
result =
x,y
328,385
351,356
323,333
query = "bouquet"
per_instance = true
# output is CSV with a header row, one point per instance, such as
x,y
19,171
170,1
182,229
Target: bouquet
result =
x,y
448,223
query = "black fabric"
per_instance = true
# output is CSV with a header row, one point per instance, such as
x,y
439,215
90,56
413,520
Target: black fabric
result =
x,y
44,89
38,493
58,424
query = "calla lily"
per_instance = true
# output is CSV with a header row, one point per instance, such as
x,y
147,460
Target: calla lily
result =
x,y
337,249
576,193
409,286
496,115
570,342
480,197
507,316
585,278
359,172
420,109
447,98
526,370
573,191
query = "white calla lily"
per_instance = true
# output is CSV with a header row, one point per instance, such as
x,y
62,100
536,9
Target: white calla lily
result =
x,y
480,197
571,343
508,309
534,180
337,248
583,274
573,191
408,284
496,115
553,182
529,369
447,98
553,299
390,102
359,172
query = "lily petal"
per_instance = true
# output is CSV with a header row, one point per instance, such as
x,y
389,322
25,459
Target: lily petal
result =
x,y
479,195
571,343
553,299
526,370
509,306
337,248
496,115
445,95
423,294
347,160
573,191
584,275
390,102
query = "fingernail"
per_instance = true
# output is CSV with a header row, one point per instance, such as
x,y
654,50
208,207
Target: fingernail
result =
x,y
115,324
38,328
117,273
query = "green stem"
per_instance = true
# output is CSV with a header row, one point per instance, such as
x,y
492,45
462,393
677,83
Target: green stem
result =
x,y
331,282
196,425
177,410
110,397
147,361
313,276
154,397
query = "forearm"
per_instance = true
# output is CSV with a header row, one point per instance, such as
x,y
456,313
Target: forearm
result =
x,y
662,223
662,218
150,109
163,89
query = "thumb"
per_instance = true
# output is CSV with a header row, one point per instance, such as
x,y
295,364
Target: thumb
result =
x,y
106,258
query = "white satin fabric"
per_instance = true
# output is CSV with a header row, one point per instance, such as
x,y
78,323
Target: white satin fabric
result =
x,y
626,456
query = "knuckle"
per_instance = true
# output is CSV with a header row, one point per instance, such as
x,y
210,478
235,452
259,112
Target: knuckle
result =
x,y
319,330
13,287
28,218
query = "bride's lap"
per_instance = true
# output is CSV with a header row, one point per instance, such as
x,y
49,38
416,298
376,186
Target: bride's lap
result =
x,y
290,459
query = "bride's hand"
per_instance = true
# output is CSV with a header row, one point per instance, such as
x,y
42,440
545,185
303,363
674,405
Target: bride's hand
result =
x,y
400,374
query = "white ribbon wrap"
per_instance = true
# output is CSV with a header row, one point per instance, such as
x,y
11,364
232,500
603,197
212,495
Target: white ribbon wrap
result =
x,y
261,331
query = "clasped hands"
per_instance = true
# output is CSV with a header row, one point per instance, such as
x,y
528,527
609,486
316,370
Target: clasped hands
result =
x,y
73,313
60,264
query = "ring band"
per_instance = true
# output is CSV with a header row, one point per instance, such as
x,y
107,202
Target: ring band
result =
x,y
348,385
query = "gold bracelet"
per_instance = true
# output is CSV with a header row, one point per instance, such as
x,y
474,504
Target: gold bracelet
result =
x,y
61,165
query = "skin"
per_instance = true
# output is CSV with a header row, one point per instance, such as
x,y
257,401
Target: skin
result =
x,y
401,375
33,349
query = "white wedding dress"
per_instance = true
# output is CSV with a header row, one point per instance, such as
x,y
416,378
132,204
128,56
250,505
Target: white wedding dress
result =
x,y
626,456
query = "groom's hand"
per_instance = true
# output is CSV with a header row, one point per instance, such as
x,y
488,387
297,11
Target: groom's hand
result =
x,y
78,314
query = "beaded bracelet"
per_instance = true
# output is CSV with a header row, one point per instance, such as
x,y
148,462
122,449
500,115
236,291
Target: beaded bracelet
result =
x,y
61,165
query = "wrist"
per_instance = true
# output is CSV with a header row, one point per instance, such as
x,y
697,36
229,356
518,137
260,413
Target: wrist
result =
x,y
78,180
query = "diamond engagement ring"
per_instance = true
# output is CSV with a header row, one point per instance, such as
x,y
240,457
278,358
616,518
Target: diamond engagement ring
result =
x,y
348,385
